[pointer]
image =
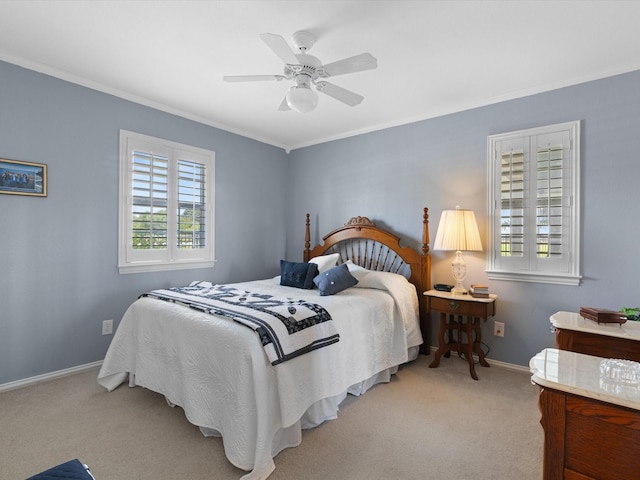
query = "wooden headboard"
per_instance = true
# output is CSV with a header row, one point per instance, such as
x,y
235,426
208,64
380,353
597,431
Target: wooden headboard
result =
x,y
374,248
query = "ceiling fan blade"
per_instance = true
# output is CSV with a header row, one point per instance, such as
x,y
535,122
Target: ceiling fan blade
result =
x,y
280,47
284,106
252,78
358,63
342,94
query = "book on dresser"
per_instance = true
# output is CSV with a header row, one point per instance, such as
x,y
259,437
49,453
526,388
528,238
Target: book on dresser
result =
x,y
479,290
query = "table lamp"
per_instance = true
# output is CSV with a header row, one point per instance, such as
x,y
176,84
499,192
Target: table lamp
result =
x,y
458,230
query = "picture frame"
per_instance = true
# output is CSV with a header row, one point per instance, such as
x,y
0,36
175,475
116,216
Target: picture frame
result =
x,y
23,178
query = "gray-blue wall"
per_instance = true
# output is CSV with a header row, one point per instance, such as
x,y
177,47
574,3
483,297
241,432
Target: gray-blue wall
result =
x,y
58,276
58,255
390,175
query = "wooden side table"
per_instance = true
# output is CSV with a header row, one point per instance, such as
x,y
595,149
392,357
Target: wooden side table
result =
x,y
460,314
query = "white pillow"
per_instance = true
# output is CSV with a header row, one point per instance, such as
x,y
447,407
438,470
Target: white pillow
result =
x,y
325,262
380,280
356,270
372,278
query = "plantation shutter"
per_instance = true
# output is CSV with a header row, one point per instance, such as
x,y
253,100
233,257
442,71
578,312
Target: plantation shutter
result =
x,y
191,205
149,206
551,247
166,214
512,203
533,205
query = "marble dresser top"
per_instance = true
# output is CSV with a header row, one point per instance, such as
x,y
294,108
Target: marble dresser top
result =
x,y
573,321
580,374
468,297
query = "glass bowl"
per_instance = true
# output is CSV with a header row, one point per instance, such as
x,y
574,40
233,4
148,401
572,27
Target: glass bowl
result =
x,y
624,372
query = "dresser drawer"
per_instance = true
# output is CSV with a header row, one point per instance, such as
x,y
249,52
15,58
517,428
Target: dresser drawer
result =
x,y
462,307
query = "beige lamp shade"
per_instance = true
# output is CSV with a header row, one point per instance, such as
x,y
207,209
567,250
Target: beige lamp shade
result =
x,y
458,230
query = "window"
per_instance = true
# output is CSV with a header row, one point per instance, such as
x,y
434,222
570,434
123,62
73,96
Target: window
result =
x,y
166,205
534,205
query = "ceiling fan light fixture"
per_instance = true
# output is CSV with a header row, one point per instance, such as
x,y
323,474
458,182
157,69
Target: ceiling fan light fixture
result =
x,y
306,70
302,99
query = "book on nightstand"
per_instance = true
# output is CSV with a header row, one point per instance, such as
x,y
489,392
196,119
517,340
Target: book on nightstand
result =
x,y
479,291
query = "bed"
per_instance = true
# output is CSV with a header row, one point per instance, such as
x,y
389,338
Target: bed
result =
x,y
233,382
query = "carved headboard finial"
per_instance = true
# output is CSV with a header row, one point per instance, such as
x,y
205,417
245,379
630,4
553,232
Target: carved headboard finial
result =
x,y
425,231
307,234
360,222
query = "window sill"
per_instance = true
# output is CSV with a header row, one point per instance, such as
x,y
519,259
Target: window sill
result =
x,y
163,267
562,279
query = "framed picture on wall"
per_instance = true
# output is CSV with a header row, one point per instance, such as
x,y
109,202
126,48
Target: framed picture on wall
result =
x,y
23,178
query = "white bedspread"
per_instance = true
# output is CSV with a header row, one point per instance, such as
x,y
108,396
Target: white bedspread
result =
x,y
217,371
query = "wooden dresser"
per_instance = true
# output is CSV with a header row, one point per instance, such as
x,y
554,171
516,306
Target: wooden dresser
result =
x,y
609,340
592,427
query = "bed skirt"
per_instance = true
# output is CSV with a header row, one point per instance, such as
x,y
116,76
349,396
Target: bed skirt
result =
x,y
319,412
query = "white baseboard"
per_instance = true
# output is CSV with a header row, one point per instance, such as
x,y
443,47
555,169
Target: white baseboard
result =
x,y
497,363
4,387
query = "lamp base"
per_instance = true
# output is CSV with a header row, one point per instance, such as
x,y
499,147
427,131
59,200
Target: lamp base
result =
x,y
459,270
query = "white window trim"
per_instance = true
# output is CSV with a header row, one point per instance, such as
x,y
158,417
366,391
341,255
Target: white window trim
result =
x,y
494,271
171,261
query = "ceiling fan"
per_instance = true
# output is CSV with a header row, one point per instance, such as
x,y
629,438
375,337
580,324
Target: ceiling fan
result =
x,y
306,70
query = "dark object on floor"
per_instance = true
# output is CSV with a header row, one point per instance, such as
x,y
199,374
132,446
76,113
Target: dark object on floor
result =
x,y
71,470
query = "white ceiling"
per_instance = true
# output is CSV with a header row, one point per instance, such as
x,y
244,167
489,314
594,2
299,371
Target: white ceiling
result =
x,y
434,57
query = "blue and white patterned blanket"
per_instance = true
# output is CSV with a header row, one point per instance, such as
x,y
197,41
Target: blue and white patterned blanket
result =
x,y
287,328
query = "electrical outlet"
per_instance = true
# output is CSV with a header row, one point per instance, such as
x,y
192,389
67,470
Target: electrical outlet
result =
x,y
107,327
498,329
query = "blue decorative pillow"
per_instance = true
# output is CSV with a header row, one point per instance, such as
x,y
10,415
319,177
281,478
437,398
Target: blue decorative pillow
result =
x,y
335,280
299,275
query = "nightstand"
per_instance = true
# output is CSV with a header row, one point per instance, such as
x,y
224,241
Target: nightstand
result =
x,y
460,314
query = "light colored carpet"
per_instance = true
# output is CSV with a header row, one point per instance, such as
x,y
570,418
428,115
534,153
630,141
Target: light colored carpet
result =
x,y
427,423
